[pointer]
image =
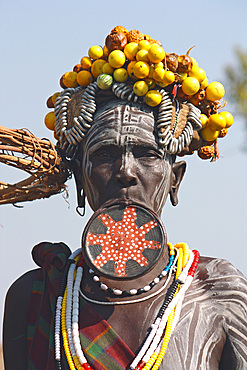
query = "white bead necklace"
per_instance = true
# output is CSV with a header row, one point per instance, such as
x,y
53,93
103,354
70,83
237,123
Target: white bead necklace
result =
x,y
134,300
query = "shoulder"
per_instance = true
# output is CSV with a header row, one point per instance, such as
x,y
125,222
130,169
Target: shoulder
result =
x,y
219,272
15,320
223,282
20,291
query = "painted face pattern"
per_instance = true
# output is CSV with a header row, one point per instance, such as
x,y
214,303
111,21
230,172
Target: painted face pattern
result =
x,y
124,240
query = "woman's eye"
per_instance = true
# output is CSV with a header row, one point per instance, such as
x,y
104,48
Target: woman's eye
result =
x,y
102,155
152,154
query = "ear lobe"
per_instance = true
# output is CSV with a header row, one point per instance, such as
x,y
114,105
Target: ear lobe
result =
x,y
178,169
76,169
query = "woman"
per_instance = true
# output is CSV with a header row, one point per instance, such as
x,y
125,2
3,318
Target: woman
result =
x,y
122,152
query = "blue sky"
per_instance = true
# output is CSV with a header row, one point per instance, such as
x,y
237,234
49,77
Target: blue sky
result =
x,y
41,40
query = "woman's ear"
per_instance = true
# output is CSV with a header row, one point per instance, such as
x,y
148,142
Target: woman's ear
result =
x,y
178,171
75,166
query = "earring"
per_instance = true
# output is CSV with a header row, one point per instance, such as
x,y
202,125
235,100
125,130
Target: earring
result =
x,y
81,200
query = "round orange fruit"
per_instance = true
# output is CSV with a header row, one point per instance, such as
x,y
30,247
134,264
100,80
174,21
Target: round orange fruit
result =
x,y
130,50
95,52
209,135
229,118
86,62
116,58
190,85
141,69
140,88
153,98
97,67
156,53
50,121
216,122
215,91
84,78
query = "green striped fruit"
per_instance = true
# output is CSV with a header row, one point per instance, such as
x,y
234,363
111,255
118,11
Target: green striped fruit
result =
x,y
104,81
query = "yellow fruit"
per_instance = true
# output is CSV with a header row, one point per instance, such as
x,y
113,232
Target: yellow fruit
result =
x,y
150,82
195,64
156,53
182,76
120,74
130,69
140,88
151,71
153,98
198,73
144,45
209,135
141,69
54,97
105,51
50,121
229,118
204,120
216,122
86,62
168,78
190,85
160,64
116,58
204,83
95,52
84,78
142,55
70,79
130,50
158,74
108,69
97,67
215,91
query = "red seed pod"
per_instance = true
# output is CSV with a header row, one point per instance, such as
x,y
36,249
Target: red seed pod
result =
x,y
206,152
49,102
116,41
171,62
185,62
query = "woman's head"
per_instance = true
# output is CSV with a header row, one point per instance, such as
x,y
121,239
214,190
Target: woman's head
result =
x,y
121,159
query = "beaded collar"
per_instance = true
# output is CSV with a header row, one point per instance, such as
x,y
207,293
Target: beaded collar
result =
x,y
155,344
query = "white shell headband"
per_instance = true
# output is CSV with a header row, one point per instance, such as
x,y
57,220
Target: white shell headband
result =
x,y
70,137
137,69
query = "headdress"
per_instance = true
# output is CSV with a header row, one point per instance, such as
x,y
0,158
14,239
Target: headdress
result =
x,y
135,68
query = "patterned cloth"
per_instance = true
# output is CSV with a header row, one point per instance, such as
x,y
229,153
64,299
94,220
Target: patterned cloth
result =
x,y
102,346
104,349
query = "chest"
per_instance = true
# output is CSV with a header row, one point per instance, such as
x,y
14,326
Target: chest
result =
x,y
196,343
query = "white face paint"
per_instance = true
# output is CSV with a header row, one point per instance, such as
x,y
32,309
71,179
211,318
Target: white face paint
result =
x,y
124,161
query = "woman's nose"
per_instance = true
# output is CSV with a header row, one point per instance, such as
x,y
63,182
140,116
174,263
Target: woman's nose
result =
x,y
126,172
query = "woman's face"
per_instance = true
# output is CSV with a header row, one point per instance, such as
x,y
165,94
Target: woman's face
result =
x,y
123,160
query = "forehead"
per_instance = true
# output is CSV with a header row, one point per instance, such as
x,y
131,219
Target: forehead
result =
x,y
120,125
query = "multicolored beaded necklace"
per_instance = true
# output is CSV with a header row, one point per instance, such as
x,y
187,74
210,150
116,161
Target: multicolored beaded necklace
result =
x,y
153,350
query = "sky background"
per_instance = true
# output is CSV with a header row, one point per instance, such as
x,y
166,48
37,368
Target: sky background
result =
x,y
41,40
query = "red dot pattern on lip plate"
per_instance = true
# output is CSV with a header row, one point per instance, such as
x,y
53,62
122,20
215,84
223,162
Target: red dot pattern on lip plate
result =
x,y
123,241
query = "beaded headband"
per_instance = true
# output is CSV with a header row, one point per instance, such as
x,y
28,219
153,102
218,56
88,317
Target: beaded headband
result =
x,y
136,69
